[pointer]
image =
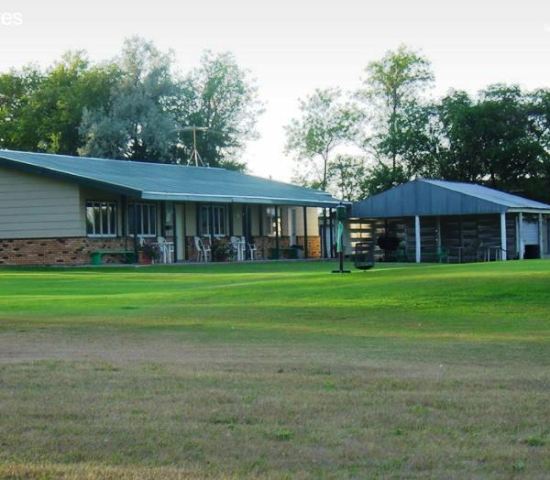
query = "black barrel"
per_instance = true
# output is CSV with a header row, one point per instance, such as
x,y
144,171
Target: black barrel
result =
x,y
363,257
532,251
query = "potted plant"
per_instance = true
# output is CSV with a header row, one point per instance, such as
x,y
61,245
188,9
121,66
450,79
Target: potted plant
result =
x,y
221,250
149,253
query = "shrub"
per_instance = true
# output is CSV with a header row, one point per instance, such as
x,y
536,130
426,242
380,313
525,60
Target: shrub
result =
x,y
222,250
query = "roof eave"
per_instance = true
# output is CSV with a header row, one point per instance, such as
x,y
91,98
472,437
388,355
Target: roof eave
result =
x,y
209,198
528,210
58,175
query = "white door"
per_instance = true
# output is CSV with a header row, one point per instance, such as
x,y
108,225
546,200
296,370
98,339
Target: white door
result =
x,y
530,232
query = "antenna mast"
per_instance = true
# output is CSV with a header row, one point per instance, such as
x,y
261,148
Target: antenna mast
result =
x,y
195,158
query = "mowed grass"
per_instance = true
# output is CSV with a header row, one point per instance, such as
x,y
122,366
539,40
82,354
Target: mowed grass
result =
x,y
277,370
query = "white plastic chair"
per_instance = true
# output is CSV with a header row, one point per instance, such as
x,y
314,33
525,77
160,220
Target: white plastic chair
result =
x,y
252,250
203,252
236,243
166,250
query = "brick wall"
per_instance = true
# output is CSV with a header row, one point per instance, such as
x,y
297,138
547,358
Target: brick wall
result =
x,y
77,250
56,251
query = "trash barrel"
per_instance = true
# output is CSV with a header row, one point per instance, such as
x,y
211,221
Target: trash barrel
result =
x,y
363,258
96,258
532,251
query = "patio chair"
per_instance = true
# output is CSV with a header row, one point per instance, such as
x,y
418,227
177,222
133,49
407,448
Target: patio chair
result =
x,y
442,255
252,250
203,252
166,250
238,248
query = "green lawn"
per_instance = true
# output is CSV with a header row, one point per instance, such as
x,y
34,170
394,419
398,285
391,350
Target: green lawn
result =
x,y
276,371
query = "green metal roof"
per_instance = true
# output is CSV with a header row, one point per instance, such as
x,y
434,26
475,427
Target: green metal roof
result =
x,y
154,181
440,197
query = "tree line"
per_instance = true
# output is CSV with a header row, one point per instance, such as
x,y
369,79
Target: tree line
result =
x,y
389,130
134,106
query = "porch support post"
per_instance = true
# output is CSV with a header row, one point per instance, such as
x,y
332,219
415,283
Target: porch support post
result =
x,y
541,242
230,219
174,231
325,250
306,252
331,239
124,219
277,250
503,242
418,256
211,221
163,219
135,232
520,236
439,245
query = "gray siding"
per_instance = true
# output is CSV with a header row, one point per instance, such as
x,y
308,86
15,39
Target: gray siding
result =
x,y
32,206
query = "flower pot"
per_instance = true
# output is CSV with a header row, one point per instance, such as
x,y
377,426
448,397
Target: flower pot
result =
x,y
145,259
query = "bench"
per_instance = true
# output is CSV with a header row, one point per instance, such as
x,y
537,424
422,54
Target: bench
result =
x,y
97,255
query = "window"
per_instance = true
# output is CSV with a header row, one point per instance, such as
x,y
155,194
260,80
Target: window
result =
x,y
271,221
146,216
101,219
219,220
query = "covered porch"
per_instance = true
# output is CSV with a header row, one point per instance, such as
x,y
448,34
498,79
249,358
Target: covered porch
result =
x,y
171,232
204,232
457,238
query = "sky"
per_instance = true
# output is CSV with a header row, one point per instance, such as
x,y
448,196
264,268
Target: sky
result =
x,y
292,47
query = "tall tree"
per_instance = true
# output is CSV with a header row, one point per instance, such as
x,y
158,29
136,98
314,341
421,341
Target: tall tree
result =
x,y
138,123
346,174
18,123
327,121
42,111
393,96
220,98
496,138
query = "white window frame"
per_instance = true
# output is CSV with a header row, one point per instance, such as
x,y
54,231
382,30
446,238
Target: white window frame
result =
x,y
219,220
143,207
112,219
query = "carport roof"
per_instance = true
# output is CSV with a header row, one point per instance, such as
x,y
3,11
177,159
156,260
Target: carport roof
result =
x,y
440,197
154,181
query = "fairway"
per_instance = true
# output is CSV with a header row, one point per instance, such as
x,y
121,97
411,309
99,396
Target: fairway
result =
x,y
276,370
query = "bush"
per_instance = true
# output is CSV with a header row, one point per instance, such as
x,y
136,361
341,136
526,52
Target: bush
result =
x,y
151,251
222,250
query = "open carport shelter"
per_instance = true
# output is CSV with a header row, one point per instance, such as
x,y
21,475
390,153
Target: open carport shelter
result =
x,y
438,220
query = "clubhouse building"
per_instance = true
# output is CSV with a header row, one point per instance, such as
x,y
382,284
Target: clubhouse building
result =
x,y
63,210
